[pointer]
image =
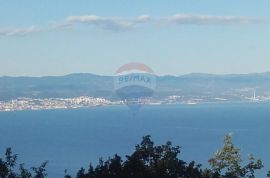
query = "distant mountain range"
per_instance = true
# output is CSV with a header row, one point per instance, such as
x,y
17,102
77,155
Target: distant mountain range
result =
x,y
195,84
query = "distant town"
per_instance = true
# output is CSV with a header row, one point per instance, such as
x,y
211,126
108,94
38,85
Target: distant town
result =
x,y
24,103
53,103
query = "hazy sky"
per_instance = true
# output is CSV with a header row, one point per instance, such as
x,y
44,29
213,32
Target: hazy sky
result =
x,y
58,37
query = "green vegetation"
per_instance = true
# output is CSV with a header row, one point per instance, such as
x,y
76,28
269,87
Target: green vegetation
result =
x,y
8,165
228,161
150,161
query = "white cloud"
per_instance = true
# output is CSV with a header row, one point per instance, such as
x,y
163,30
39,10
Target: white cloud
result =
x,y
110,23
143,18
183,19
20,31
121,23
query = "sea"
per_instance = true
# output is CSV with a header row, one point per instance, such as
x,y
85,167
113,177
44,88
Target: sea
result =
x,y
71,139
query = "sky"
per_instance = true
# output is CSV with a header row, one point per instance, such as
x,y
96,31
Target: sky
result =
x,y
173,37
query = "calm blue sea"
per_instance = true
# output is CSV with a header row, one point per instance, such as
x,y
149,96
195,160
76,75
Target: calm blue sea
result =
x,y
70,139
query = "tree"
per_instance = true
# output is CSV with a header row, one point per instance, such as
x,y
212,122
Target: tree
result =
x,y
66,174
8,165
25,173
40,172
227,161
147,161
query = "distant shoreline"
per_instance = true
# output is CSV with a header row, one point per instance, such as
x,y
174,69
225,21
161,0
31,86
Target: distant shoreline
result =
x,y
143,105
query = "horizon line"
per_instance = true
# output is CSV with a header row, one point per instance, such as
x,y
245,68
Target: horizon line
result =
x,y
159,75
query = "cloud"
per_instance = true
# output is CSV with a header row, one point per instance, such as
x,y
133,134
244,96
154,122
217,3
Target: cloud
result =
x,y
24,31
185,19
110,23
19,31
121,23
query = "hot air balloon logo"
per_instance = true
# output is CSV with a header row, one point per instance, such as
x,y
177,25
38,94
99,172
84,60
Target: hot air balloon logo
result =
x,y
135,84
